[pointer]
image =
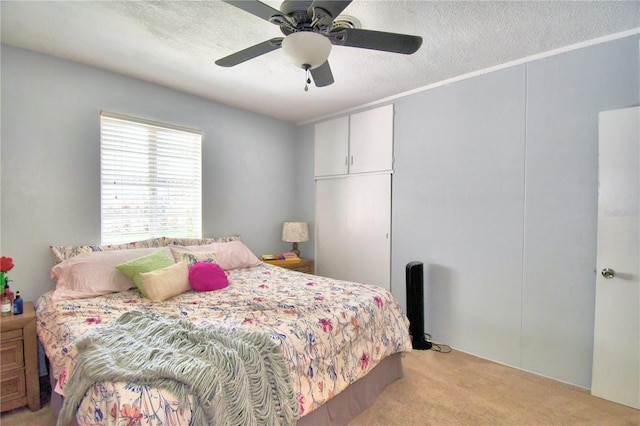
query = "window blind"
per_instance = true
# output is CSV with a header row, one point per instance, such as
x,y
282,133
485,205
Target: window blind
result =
x,y
150,180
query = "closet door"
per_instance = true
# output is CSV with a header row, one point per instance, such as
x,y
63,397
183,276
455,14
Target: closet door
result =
x,y
369,227
332,234
353,226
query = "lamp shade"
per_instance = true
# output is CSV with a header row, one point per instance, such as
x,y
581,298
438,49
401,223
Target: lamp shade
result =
x,y
295,232
306,48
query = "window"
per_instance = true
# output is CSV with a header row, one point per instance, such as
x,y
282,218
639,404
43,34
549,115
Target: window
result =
x,y
150,180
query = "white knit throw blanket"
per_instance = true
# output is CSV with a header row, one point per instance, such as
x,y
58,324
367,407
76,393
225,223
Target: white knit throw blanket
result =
x,y
235,378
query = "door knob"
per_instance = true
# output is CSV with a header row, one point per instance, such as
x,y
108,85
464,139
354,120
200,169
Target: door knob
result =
x,y
608,273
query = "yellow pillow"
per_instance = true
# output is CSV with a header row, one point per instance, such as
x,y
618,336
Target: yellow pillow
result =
x,y
151,262
162,284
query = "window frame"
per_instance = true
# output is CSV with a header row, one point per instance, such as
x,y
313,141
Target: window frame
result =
x,y
154,170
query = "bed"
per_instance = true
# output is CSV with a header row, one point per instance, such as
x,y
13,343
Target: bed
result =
x,y
341,342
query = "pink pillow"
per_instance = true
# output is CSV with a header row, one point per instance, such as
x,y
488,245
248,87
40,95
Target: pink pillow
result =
x,y
207,276
94,273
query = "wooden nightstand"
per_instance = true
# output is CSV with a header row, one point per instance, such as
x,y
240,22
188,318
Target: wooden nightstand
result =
x,y
19,381
306,265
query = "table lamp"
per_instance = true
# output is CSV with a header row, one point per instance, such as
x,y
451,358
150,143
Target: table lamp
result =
x,y
295,232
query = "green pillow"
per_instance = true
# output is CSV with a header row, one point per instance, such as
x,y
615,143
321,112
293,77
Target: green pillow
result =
x,y
151,262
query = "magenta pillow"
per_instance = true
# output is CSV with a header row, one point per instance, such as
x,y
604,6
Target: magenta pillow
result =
x,y
207,276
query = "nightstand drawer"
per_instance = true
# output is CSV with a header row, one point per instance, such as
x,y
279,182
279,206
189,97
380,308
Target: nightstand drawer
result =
x,y
305,265
12,386
303,268
11,334
11,356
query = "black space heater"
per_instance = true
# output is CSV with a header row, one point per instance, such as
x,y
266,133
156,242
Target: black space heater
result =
x,y
415,305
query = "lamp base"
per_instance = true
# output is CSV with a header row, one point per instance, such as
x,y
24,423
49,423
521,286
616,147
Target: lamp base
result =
x,y
294,249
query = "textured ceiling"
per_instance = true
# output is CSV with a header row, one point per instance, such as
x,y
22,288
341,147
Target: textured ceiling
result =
x,y
175,44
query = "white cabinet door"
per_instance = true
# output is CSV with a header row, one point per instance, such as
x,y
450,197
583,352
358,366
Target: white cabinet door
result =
x,y
359,143
353,225
371,140
331,149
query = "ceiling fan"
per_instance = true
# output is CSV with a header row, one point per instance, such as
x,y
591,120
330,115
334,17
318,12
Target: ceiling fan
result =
x,y
310,29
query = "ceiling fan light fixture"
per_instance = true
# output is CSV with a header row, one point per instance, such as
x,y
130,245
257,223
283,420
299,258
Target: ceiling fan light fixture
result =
x,y
306,48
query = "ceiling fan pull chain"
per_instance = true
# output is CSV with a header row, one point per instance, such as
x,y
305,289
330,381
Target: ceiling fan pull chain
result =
x,y
308,82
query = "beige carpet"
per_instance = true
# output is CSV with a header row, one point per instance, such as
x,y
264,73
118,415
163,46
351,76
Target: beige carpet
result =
x,y
459,389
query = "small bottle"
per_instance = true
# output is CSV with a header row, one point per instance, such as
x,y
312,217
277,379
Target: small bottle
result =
x,y
5,305
17,304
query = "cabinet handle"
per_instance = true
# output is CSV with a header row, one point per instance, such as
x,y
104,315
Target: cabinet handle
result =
x,y
346,161
352,160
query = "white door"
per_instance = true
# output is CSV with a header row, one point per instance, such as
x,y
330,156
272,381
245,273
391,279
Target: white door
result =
x,y
353,225
616,352
370,230
331,227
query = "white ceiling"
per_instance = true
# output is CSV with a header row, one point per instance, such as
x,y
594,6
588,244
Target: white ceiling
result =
x,y
175,44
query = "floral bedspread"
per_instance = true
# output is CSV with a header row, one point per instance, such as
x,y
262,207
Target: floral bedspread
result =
x,y
331,333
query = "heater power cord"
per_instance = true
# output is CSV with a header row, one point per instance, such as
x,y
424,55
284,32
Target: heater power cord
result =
x,y
437,347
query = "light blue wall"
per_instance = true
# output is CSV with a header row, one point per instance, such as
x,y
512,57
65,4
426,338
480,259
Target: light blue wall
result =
x,y
495,190
458,207
51,162
305,185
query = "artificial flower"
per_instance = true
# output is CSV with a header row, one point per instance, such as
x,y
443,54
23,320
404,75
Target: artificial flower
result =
x,y
6,264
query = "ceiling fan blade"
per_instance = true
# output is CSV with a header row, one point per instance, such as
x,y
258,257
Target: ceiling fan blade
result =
x,y
322,76
250,52
333,7
256,8
376,40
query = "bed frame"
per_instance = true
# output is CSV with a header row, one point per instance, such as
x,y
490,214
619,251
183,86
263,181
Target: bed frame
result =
x,y
338,411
